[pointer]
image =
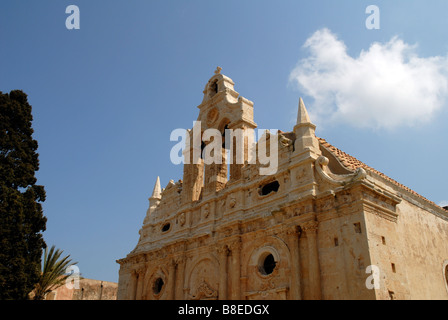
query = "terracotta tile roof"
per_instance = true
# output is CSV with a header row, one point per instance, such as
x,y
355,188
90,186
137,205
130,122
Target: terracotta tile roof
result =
x,y
352,163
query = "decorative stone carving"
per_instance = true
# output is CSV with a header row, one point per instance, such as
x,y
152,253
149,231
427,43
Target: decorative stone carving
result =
x,y
206,210
169,185
310,226
212,116
293,231
344,197
232,202
204,291
341,179
267,285
182,219
223,250
284,141
325,204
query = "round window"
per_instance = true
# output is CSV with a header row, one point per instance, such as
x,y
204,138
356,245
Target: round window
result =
x,y
267,264
158,286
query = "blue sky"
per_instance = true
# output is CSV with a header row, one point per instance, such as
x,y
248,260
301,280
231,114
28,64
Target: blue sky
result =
x,y
107,96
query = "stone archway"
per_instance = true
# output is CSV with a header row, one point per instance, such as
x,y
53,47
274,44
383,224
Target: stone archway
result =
x,y
203,280
274,284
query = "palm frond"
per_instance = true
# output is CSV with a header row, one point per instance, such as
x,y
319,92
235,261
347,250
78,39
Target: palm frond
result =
x,y
53,272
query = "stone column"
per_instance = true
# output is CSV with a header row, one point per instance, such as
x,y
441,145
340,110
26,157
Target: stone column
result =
x,y
293,235
310,229
235,270
223,252
179,292
134,283
171,279
193,174
140,283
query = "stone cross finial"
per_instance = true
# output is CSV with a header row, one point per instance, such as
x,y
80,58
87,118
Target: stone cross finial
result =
x,y
218,70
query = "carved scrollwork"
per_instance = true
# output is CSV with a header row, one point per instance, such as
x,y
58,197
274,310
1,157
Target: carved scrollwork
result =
x,y
341,179
284,141
204,291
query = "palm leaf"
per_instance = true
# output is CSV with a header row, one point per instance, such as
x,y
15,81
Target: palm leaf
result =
x,y
53,272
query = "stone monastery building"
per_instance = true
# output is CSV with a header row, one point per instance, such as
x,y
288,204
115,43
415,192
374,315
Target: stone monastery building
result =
x,y
324,226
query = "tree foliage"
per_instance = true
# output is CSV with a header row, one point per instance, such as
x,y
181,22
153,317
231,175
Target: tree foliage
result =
x,y
21,217
53,273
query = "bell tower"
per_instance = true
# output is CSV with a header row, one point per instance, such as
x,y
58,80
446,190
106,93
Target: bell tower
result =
x,y
222,108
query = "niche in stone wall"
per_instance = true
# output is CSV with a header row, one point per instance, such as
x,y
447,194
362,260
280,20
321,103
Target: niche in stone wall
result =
x,y
158,286
268,188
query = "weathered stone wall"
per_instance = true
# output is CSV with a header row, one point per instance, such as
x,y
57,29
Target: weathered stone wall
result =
x,y
410,251
89,289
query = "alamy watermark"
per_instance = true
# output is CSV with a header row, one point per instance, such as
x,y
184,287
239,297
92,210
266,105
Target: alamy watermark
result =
x,y
73,20
373,20
373,281
196,146
72,281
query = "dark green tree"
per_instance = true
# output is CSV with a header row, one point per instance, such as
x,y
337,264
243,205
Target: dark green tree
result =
x,y
21,217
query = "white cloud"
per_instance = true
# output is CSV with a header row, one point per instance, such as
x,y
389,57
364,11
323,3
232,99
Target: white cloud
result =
x,y
443,203
387,86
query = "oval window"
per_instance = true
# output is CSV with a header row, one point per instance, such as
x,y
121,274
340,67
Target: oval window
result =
x,y
166,227
267,265
158,286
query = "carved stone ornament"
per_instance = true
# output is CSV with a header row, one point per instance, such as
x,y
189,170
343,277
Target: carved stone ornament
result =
x,y
310,226
182,219
223,250
235,246
206,210
212,116
301,173
286,142
293,230
341,179
268,285
232,202
204,291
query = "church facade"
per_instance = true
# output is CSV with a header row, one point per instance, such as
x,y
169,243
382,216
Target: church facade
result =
x,y
323,225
